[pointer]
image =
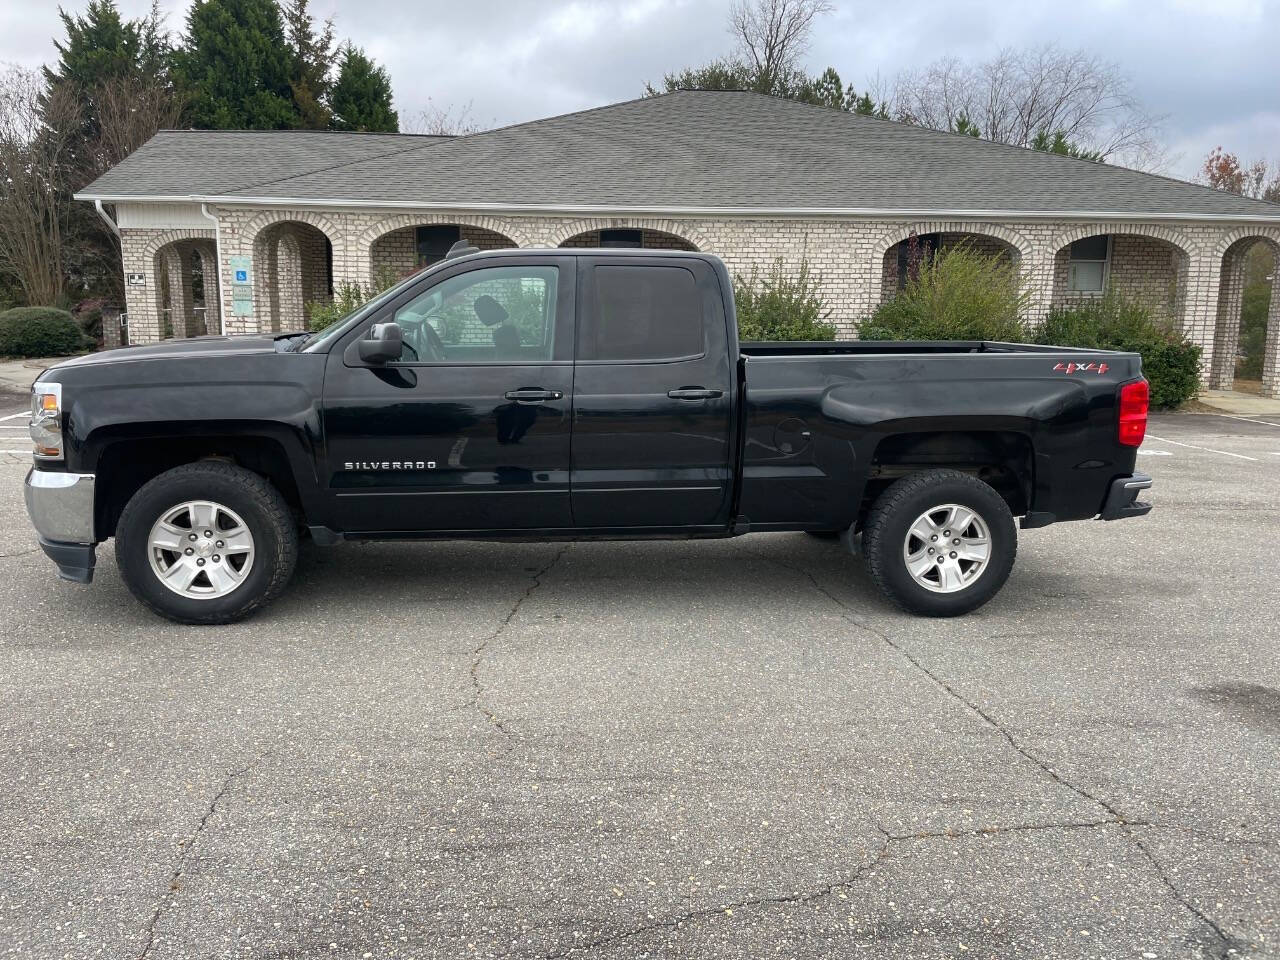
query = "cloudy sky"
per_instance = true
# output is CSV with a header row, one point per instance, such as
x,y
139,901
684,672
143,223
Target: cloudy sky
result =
x,y
1211,65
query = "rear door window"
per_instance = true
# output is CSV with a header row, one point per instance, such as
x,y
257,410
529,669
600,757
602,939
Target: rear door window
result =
x,y
643,313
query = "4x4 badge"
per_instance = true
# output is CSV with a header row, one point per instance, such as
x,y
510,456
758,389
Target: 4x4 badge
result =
x,y
1081,368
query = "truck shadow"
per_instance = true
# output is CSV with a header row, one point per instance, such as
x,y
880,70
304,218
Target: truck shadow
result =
x,y
777,571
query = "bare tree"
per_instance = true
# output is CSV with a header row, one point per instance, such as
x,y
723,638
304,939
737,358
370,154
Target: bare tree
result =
x,y
442,121
1020,95
129,112
773,35
35,157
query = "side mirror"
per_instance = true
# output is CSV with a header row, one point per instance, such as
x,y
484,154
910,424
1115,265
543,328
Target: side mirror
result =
x,y
383,344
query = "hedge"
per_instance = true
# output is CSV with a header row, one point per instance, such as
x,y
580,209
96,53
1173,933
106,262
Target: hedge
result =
x,y
957,294
40,332
1170,362
960,294
781,306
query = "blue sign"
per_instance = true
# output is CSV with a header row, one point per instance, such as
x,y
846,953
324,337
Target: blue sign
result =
x,y
241,267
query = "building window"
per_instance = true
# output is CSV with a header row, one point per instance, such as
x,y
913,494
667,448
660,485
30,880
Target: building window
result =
x,y
621,238
433,242
1088,265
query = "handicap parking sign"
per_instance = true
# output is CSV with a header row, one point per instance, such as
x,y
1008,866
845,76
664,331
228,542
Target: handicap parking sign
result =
x,y
240,267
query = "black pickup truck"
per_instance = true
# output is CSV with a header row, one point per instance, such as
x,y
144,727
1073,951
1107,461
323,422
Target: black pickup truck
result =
x,y
569,394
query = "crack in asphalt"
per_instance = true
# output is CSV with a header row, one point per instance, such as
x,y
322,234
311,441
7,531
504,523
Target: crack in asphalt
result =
x,y
478,653
175,877
19,553
1215,837
1225,946
673,923
810,896
1014,828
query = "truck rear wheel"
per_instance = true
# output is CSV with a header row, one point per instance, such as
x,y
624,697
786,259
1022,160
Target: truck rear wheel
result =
x,y
940,543
206,542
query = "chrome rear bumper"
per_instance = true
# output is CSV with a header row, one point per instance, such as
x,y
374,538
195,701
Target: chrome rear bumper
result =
x,y
1122,499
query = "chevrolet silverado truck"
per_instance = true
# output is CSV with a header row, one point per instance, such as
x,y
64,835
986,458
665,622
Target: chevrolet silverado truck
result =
x,y
570,394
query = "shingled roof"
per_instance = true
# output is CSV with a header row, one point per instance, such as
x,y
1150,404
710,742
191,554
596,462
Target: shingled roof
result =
x,y
684,152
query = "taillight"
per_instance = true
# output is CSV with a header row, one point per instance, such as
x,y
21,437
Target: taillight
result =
x,y
1134,400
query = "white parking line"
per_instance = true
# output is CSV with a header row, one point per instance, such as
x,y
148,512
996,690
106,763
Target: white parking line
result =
x,y
21,453
1232,416
15,416
1154,453
1224,453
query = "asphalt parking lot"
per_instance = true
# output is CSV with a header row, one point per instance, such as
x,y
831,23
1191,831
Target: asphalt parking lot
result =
x,y
708,749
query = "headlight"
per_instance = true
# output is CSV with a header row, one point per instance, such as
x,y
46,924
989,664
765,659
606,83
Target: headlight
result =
x,y
46,420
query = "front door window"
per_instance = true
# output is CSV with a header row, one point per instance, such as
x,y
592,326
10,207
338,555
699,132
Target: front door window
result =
x,y
496,314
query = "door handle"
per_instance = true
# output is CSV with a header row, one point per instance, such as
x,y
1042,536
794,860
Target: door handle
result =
x,y
532,395
694,393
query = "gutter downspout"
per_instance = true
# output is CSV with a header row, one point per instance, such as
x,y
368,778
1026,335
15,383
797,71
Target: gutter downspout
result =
x,y
217,255
106,218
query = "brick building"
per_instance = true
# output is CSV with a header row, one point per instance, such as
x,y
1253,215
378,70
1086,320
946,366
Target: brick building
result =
x,y
235,231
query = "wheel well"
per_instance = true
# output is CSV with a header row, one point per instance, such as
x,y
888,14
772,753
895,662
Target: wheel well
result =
x,y
1002,459
125,465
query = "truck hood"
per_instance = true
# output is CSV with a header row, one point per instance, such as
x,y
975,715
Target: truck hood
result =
x,y
211,346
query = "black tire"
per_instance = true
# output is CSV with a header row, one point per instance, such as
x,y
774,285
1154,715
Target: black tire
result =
x,y
259,504
889,521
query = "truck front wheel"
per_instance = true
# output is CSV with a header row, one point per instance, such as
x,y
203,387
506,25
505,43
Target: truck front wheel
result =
x,y
206,542
940,543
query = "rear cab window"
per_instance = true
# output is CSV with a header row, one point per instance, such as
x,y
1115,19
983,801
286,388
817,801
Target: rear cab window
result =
x,y
642,313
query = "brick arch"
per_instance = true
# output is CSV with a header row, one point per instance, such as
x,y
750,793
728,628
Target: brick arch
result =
x,y
1255,232
891,238
270,218
169,260
155,243
400,221
1233,249
287,268
1156,232
566,229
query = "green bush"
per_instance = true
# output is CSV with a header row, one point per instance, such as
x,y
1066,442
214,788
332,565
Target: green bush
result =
x,y
781,305
347,297
40,332
957,294
1170,362
88,317
1253,330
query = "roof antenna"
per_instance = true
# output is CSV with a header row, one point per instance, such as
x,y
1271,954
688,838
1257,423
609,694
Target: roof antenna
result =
x,y
461,249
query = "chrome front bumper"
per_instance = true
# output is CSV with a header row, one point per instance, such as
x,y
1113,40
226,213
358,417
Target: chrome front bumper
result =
x,y
61,509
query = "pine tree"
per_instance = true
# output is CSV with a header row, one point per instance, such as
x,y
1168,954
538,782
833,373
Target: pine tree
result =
x,y
106,95
1057,142
361,98
235,66
101,48
312,54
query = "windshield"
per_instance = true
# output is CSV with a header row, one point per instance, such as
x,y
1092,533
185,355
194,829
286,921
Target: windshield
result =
x,y
322,340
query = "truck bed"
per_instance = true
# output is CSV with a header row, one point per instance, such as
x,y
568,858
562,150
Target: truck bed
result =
x,y
829,424
759,348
